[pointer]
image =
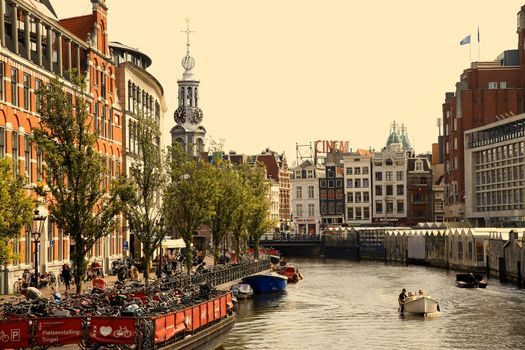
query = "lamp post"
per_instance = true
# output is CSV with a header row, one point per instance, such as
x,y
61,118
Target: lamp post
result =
x,y
37,228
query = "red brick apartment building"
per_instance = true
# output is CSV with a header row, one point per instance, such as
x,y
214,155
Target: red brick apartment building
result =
x,y
35,46
486,92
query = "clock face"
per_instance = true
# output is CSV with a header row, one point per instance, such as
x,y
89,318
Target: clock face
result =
x,y
197,116
180,116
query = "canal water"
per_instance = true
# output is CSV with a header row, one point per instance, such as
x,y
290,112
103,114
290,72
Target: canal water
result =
x,y
353,305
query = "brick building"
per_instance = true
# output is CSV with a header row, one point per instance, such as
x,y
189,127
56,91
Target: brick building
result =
x,y
419,191
487,92
34,47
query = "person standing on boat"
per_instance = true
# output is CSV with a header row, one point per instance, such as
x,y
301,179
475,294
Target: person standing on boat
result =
x,y
402,298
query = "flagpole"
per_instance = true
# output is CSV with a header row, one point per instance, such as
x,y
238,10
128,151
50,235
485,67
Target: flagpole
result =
x,y
479,47
470,52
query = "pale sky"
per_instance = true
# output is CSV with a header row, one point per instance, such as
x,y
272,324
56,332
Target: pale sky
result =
x,y
275,73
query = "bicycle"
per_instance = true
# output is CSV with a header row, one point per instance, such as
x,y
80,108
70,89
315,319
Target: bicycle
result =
x,y
4,338
18,285
122,332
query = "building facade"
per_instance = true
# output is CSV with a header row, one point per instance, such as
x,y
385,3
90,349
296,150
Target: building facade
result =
x,y
419,191
389,191
35,47
331,195
357,185
140,95
305,198
495,173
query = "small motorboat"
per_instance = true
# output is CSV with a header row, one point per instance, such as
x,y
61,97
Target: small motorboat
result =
x,y
291,272
242,290
470,280
419,304
266,283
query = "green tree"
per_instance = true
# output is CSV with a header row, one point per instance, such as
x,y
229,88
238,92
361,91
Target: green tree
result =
x,y
147,172
188,202
258,217
84,204
16,210
226,204
239,231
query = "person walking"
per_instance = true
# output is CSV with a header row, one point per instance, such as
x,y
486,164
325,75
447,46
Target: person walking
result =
x,y
66,275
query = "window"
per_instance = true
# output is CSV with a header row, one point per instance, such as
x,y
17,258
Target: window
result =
x,y
358,197
323,194
357,171
331,194
311,209
38,86
379,190
366,197
365,183
299,192
110,124
400,207
493,85
2,80
358,213
399,175
350,213
331,208
95,117
27,94
27,157
310,192
339,194
357,183
379,207
299,210
2,141
324,210
460,250
389,190
349,183
439,207
330,183
39,173
339,208
379,176
348,171
350,197
389,207
400,190
51,242
455,143
388,176
339,183
14,88
14,152
365,170
366,213
502,84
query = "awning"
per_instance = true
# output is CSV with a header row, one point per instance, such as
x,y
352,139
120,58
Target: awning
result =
x,y
173,243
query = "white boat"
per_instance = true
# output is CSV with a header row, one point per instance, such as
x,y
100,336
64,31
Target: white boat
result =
x,y
420,304
242,290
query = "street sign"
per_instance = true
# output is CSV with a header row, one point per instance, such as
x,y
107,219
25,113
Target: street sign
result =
x,y
126,245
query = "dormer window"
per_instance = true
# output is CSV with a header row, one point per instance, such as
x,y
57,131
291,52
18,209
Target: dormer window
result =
x,y
419,165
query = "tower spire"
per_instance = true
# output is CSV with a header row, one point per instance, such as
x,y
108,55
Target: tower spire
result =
x,y
188,62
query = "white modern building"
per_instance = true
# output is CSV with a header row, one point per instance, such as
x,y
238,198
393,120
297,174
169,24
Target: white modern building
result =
x,y
358,189
495,173
305,198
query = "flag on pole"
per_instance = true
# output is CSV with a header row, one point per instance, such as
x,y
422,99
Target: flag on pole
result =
x,y
466,40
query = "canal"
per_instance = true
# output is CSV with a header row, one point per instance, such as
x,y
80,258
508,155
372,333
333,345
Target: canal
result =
x,y
353,305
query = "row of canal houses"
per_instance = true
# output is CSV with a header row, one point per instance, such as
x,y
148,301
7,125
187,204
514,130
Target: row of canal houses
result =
x,y
497,251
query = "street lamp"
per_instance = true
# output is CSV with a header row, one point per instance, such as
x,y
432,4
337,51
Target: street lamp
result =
x,y
37,228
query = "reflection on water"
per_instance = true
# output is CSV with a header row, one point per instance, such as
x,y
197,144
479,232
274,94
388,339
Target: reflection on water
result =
x,y
350,305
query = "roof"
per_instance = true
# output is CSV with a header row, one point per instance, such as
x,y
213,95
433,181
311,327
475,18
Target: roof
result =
x,y
411,166
81,26
43,6
119,46
363,152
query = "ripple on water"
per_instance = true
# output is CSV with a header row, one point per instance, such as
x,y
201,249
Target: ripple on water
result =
x,y
344,305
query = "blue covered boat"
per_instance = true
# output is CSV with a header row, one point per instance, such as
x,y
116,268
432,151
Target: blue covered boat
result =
x,y
266,283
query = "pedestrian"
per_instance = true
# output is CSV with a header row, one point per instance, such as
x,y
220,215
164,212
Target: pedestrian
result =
x,y
401,299
66,275
32,293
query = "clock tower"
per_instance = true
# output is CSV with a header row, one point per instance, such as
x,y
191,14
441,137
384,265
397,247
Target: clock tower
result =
x,y
188,116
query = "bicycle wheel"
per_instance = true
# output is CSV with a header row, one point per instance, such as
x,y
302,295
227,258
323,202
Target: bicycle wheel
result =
x,y
16,287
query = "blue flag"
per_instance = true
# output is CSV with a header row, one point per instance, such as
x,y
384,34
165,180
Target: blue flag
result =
x,y
466,40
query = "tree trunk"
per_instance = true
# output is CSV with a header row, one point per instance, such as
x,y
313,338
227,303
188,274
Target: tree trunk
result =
x,y
147,260
189,260
79,271
238,247
256,248
216,253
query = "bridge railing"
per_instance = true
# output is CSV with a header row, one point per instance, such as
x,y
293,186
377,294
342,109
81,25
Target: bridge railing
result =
x,y
290,237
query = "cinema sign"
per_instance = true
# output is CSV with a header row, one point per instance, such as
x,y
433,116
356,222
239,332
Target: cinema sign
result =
x,y
329,146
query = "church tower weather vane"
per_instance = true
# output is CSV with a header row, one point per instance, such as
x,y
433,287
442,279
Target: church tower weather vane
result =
x,y
188,62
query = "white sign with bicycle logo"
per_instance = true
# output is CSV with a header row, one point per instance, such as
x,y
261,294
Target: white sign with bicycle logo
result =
x,y
14,336
118,330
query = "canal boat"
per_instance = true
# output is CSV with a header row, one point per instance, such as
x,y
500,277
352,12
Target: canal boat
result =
x,y
266,283
420,304
291,272
242,290
470,280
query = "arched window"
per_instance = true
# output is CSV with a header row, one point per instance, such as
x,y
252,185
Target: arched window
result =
x,y
189,96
